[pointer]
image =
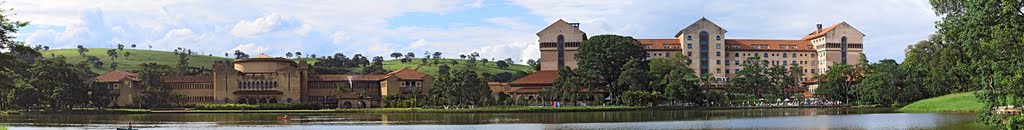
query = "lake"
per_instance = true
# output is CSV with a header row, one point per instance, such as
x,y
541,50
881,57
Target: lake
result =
x,y
789,118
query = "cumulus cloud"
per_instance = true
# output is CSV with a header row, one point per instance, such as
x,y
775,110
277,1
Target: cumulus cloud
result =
x,y
249,48
271,22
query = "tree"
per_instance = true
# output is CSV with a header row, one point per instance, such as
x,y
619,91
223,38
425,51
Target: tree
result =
x,y
509,61
113,65
60,85
459,87
890,83
443,69
82,50
155,93
838,83
241,55
112,53
606,54
289,55
396,55
377,67
566,87
534,64
437,57
426,56
133,46
501,64
634,76
126,54
120,47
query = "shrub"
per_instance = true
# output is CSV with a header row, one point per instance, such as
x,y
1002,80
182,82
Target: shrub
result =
x,y
1015,123
276,106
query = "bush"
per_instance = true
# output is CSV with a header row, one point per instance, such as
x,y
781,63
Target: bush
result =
x,y
1015,123
276,106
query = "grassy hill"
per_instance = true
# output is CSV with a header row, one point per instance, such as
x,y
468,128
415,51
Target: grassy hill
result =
x,y
957,102
169,58
132,62
431,69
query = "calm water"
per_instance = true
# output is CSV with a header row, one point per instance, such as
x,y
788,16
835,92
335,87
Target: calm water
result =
x,y
803,118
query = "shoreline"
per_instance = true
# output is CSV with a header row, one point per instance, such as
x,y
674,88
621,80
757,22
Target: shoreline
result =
x,y
504,109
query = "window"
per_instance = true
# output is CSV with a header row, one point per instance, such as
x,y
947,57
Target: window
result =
x,y
718,46
726,71
689,53
689,46
718,53
727,63
812,71
719,38
784,62
689,38
665,46
647,46
737,70
784,55
719,62
765,54
718,70
737,62
737,54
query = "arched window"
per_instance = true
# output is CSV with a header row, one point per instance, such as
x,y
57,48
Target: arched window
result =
x,y
843,52
273,100
242,101
704,38
689,37
561,51
718,38
347,104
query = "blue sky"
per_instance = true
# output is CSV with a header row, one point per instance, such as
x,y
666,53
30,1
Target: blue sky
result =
x,y
496,29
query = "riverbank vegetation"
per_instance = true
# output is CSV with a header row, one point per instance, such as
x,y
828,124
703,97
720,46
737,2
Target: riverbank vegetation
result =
x,y
957,102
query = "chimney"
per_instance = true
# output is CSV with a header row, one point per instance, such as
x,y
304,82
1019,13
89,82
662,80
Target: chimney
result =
x,y
819,27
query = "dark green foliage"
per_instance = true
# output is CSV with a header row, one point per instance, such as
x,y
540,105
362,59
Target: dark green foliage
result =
x,y
461,86
156,94
605,55
640,98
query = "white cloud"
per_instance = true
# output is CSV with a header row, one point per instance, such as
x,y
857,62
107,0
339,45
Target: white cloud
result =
x,y
271,22
418,43
249,48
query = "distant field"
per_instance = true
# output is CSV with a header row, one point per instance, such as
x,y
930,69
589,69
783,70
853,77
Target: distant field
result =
x,y
169,58
132,62
957,102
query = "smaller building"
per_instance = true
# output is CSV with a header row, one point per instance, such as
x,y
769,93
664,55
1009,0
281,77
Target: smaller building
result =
x,y
267,79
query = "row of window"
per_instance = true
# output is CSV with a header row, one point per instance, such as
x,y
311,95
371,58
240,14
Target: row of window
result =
x,y
690,38
336,84
719,70
555,44
191,86
257,76
257,84
199,99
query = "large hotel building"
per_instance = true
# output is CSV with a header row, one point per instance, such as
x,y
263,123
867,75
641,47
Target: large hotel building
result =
x,y
710,51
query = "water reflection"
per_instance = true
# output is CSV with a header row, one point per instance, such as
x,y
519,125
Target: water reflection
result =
x,y
806,118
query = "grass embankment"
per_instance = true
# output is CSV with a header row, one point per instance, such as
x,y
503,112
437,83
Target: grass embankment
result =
x,y
957,102
139,56
132,62
434,110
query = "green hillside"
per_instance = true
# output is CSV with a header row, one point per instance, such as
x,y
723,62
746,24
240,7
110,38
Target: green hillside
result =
x,y
169,58
132,62
957,102
431,69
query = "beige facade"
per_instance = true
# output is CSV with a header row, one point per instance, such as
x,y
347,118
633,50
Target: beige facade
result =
x,y
558,43
712,54
266,79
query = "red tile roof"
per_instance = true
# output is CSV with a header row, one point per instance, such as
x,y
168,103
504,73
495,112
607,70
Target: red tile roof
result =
x,y
544,77
408,74
748,44
343,77
187,79
117,76
816,33
659,44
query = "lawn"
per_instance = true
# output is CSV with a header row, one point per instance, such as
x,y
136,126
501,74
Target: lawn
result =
x,y
132,62
169,58
957,102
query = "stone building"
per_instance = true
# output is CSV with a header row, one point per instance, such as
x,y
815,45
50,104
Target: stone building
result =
x,y
711,53
265,79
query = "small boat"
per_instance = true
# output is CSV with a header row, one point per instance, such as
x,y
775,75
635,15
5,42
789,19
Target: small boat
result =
x,y
129,127
283,118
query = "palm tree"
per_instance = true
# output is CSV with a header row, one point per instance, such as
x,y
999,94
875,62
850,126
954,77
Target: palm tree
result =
x,y
342,88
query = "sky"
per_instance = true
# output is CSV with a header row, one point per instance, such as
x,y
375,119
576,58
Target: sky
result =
x,y
494,28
